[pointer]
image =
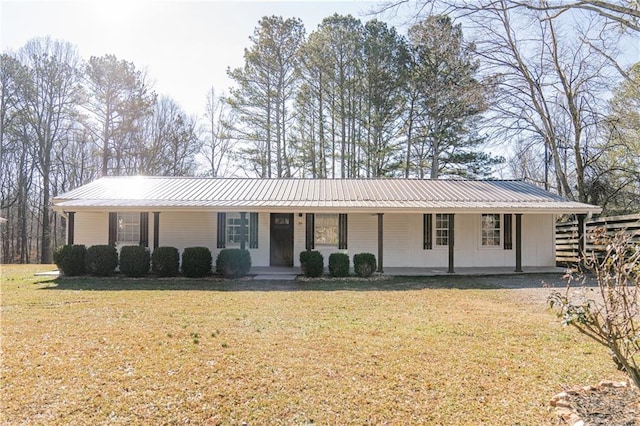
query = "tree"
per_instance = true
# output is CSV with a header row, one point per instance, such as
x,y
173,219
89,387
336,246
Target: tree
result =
x,y
170,142
615,182
49,96
447,102
385,64
217,130
612,318
265,89
119,101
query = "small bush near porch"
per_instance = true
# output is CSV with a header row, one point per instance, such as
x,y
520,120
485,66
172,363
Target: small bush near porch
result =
x,y
163,351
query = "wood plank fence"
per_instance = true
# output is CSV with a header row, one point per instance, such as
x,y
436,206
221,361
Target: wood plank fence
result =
x,y
567,235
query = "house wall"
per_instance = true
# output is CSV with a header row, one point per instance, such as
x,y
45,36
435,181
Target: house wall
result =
x,y
91,228
403,233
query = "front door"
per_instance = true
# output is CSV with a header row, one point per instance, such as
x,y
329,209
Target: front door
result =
x,y
281,239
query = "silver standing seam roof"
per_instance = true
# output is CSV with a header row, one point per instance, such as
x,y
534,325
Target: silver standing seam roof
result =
x,y
312,195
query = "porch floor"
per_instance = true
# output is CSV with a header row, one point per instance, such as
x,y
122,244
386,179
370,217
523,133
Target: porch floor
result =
x,y
270,272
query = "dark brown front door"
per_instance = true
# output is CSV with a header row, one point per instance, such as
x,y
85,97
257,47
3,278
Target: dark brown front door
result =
x,y
281,239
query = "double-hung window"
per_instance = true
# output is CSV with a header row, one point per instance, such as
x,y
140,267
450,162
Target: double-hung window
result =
x,y
490,227
442,230
128,227
234,229
326,229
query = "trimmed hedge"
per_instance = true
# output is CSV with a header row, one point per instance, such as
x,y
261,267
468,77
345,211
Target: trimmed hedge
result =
x,y
196,262
339,265
101,260
165,261
364,264
233,263
70,259
312,263
134,261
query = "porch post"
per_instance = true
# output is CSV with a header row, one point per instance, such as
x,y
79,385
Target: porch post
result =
x,y
380,242
156,230
581,239
518,242
243,229
70,227
451,242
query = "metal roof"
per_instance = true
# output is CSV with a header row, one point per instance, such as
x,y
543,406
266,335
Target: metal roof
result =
x,y
373,195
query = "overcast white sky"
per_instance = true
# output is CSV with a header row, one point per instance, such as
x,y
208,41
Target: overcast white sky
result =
x,y
185,46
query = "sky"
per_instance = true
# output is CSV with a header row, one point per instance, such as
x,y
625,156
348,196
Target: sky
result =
x,y
184,46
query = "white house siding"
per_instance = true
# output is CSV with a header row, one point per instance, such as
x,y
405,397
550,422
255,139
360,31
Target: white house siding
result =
x,y
538,241
299,236
91,228
181,229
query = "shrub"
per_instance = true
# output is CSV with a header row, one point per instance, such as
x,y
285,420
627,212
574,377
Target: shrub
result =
x,y
612,318
339,265
101,260
364,264
196,262
312,263
165,261
134,261
233,263
70,259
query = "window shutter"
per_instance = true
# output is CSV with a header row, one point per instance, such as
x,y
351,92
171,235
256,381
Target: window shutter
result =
x,y
253,230
309,245
342,231
156,230
222,225
427,232
113,228
144,229
71,224
508,234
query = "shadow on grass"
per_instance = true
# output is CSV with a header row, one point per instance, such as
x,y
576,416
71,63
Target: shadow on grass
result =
x,y
397,283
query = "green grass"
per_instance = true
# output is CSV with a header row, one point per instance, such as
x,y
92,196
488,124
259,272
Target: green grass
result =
x,y
437,351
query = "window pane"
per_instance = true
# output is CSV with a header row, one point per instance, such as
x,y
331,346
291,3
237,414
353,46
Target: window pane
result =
x,y
129,227
442,229
326,229
234,229
490,230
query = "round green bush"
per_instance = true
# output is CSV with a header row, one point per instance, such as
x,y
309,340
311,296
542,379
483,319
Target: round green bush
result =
x,y
70,259
233,263
165,261
364,264
312,263
339,265
101,260
196,262
134,261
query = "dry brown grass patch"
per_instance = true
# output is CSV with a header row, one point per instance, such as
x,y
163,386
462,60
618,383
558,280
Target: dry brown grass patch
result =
x,y
424,356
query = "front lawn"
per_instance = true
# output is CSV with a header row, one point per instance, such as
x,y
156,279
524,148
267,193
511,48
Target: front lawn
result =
x,y
91,351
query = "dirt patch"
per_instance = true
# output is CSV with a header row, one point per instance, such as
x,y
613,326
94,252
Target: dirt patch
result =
x,y
609,403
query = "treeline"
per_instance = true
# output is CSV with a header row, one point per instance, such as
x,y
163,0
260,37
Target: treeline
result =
x,y
65,122
356,100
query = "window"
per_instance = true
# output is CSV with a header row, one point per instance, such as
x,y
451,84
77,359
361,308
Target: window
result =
x,y
128,227
442,230
490,227
326,229
234,229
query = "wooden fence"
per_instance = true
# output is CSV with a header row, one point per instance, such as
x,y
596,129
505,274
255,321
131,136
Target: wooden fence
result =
x,y
567,241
